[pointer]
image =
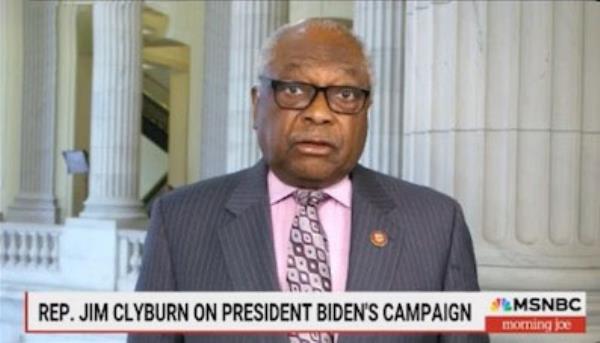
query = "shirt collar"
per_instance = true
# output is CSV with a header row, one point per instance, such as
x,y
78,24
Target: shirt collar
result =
x,y
340,191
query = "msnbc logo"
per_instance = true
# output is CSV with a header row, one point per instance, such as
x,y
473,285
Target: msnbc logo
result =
x,y
500,304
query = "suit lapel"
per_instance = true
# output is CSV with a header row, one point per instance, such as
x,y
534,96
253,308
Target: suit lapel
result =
x,y
247,240
371,267
248,244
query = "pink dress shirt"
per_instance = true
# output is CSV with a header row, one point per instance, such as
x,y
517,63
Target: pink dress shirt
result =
x,y
335,216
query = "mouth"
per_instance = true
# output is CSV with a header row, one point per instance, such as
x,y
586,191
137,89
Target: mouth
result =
x,y
315,147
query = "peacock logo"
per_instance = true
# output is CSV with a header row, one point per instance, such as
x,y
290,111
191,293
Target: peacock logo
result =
x,y
501,304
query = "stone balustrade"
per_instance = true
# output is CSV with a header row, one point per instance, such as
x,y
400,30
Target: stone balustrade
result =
x,y
29,246
39,254
131,249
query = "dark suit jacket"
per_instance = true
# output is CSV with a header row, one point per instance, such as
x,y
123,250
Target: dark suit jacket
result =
x,y
216,235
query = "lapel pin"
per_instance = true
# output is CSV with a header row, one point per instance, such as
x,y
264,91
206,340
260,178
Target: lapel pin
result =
x,y
379,238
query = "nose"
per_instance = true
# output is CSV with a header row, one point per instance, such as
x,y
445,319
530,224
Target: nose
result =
x,y
318,112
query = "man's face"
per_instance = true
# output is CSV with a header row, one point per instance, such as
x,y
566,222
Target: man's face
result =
x,y
314,147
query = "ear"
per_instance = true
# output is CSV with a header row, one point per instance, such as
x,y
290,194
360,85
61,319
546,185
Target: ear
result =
x,y
254,95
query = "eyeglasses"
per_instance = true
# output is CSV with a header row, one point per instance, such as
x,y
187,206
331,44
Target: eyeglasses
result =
x,y
292,95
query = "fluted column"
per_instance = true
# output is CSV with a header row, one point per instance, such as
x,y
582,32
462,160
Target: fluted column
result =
x,y
251,23
4,86
502,112
35,201
215,101
380,25
72,188
116,112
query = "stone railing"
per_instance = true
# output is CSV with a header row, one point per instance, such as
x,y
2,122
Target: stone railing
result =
x,y
29,246
31,253
131,248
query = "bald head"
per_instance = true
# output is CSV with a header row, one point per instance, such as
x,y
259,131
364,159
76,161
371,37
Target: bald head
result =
x,y
323,39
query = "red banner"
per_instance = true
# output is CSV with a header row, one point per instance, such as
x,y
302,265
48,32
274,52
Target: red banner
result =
x,y
534,324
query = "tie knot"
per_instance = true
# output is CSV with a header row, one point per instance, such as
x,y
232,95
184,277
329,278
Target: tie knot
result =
x,y
307,197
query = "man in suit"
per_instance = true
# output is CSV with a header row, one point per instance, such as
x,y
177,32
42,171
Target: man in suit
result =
x,y
307,217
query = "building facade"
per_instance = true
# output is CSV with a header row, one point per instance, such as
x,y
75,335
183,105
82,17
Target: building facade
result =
x,y
494,103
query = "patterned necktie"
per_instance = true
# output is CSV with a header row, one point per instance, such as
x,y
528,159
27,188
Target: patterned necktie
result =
x,y
308,256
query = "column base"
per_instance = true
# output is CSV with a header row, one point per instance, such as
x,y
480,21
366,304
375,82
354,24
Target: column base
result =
x,y
538,278
89,252
33,209
127,212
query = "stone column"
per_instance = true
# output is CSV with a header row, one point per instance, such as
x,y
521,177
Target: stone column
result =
x,y
68,187
35,201
116,112
215,101
380,25
251,22
4,86
501,111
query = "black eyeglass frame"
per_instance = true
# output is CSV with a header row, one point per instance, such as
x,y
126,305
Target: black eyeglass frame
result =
x,y
275,83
